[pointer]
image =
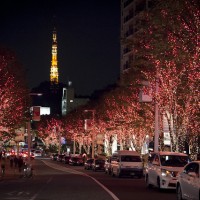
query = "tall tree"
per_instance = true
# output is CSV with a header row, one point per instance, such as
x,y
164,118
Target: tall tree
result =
x,y
13,93
167,48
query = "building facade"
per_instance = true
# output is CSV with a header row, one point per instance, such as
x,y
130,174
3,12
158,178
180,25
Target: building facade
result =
x,y
129,11
69,101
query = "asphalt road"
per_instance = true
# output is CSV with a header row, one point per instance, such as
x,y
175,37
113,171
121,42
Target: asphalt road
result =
x,y
57,181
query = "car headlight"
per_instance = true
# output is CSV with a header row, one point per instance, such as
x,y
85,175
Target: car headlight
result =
x,y
165,172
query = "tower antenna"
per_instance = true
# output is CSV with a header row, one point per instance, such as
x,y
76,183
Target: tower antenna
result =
x,y
54,62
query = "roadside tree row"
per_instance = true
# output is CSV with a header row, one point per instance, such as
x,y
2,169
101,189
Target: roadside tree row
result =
x,y
166,49
13,95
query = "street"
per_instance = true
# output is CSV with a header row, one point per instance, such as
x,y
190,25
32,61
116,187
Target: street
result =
x,y
57,181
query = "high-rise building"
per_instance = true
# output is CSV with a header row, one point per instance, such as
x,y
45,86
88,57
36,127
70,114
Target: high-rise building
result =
x,y
54,62
129,10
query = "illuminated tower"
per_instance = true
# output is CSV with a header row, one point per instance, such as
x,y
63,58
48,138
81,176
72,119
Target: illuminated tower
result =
x,y
54,61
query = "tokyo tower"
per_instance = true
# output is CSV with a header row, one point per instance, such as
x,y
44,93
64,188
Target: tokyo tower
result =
x,y
54,62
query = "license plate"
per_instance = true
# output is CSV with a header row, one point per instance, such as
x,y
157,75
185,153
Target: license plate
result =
x,y
132,173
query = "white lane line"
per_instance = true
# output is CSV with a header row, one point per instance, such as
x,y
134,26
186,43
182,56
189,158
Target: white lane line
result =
x,y
105,188
19,193
35,195
61,168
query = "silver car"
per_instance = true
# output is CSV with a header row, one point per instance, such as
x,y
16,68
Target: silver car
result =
x,y
188,185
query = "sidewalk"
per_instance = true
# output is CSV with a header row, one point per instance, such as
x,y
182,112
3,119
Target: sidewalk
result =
x,y
11,173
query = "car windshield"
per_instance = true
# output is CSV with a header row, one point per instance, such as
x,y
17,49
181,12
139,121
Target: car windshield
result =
x,y
76,159
100,161
89,161
174,160
130,159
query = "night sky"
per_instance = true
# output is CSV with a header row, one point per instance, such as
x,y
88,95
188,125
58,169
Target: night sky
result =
x,y
88,35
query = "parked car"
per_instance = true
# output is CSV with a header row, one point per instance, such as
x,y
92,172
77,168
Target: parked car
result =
x,y
60,157
76,161
188,184
98,164
65,159
126,163
37,153
163,168
88,163
25,155
107,165
54,156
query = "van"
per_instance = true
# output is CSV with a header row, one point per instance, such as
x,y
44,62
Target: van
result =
x,y
126,163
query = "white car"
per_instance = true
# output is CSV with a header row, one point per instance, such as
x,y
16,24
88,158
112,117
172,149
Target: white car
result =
x,y
188,185
163,167
37,153
127,163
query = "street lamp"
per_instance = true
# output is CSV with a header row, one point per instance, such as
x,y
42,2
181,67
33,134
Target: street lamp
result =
x,y
156,134
74,145
28,125
93,118
147,98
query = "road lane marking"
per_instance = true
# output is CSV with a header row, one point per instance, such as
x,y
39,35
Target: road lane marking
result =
x,y
34,196
105,188
61,168
64,169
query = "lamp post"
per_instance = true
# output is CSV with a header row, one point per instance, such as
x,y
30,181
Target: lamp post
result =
x,y
74,145
28,126
59,143
93,115
148,98
156,134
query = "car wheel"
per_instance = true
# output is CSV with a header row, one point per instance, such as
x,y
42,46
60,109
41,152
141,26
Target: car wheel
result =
x,y
179,193
158,183
199,194
140,176
148,185
118,174
112,173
